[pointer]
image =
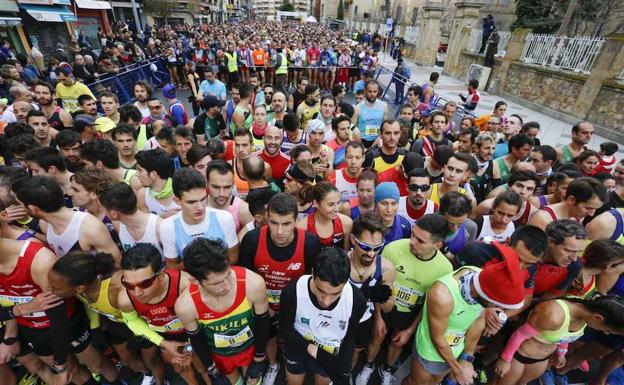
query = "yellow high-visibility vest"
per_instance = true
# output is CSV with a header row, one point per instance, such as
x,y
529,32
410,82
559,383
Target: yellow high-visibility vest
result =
x,y
283,68
232,65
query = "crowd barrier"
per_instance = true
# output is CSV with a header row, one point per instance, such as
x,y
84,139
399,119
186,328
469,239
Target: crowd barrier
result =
x,y
151,70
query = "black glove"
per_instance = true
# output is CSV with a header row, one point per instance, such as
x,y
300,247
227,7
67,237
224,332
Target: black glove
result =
x,y
216,377
380,293
256,370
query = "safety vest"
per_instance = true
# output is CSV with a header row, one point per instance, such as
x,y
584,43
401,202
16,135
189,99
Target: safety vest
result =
x,y
232,65
283,68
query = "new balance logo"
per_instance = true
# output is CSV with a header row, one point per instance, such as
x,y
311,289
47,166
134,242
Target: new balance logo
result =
x,y
294,266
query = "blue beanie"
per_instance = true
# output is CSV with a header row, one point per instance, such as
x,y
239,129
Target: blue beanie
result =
x,y
387,190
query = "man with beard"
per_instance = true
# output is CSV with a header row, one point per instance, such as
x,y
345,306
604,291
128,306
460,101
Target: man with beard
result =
x,y
310,106
110,105
142,93
210,123
426,145
37,120
220,180
211,86
369,116
258,92
374,275
58,118
419,263
280,253
581,136
417,204
68,142
482,181
277,109
271,153
346,178
298,96
68,90
511,128
88,105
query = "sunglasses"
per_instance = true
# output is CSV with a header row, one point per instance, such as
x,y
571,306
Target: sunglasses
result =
x,y
141,285
416,187
368,248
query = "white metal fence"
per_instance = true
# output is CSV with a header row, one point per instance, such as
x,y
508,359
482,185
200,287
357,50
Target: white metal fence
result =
x,y
474,42
569,53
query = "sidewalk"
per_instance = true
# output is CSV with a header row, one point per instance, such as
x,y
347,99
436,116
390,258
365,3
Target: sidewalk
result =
x,y
553,132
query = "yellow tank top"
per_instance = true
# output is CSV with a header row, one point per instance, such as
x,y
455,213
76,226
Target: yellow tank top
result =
x,y
103,305
435,194
308,113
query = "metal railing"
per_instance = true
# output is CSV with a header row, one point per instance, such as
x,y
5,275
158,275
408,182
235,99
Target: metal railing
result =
x,y
568,53
475,40
151,70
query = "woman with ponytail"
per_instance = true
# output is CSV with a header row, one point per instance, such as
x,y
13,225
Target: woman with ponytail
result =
x,y
94,281
552,325
331,227
603,263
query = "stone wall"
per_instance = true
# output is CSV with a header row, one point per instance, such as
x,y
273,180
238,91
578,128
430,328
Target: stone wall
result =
x,y
556,90
463,66
607,110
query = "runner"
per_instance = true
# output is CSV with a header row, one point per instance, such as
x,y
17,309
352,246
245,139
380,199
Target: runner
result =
x,y
581,136
225,313
456,208
582,198
388,154
399,173
519,148
280,253
369,115
499,226
365,199
427,144
320,319
103,155
220,180
58,118
331,227
66,230
341,127
47,161
454,172
154,173
417,203
387,206
345,179
133,225
147,307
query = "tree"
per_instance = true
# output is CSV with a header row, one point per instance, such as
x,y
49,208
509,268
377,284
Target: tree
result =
x,y
340,13
287,7
160,8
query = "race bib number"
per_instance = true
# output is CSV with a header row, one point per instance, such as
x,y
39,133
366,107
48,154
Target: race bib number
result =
x,y
331,347
173,326
371,131
273,296
324,62
407,297
223,341
454,338
10,300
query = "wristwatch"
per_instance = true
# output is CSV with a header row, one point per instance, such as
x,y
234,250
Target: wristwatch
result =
x,y
9,341
466,357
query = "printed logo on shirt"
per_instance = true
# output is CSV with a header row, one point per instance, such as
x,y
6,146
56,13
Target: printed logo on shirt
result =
x,y
292,266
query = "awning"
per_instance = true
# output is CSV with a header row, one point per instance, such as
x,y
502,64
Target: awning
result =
x,y
45,2
8,6
93,4
50,13
10,21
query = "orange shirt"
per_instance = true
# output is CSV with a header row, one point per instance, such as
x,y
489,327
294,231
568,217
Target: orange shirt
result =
x,y
258,57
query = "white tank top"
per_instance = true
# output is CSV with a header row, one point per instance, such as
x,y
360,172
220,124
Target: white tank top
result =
x,y
488,235
430,209
155,207
347,189
149,235
68,241
326,328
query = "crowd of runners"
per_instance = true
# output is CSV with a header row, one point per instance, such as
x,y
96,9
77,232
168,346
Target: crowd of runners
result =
x,y
292,224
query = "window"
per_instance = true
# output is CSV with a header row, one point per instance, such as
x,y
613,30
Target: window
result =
x,y
355,10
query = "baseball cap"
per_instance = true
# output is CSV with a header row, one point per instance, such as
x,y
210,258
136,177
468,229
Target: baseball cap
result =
x,y
104,124
169,91
212,101
83,120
